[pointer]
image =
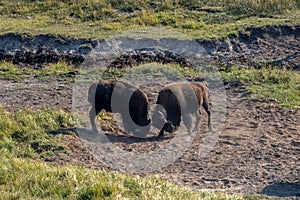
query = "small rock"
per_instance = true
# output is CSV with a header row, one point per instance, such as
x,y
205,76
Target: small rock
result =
x,y
295,143
61,87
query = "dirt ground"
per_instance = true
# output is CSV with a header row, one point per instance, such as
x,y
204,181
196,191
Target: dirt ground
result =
x,y
258,150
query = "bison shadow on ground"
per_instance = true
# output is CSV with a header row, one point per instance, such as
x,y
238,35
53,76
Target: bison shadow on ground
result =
x,y
92,136
281,189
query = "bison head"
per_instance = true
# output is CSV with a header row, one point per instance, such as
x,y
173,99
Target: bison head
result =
x,y
159,120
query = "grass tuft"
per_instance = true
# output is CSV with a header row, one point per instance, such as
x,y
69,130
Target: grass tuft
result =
x,y
68,182
24,133
262,7
9,71
280,84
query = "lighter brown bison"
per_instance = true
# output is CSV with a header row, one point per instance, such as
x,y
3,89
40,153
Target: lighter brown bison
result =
x,y
182,99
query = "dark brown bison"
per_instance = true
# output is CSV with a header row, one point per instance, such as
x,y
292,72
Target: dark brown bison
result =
x,y
120,97
181,99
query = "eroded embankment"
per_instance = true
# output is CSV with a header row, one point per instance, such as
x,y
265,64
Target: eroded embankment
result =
x,y
270,45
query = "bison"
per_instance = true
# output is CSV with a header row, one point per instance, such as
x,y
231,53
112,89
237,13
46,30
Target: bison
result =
x,y
181,99
120,97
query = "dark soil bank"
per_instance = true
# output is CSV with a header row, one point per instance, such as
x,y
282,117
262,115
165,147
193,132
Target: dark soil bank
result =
x,y
271,45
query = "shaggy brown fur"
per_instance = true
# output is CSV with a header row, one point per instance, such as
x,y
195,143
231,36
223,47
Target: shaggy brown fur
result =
x,y
183,99
112,95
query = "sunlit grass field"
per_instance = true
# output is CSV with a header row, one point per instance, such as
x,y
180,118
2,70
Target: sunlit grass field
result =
x,y
103,18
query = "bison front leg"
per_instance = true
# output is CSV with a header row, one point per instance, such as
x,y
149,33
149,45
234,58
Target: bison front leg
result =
x,y
161,133
93,113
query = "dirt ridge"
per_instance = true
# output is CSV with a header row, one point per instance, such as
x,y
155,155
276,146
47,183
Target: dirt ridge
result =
x,y
277,46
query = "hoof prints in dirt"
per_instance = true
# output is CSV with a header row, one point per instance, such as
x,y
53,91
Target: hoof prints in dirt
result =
x,y
36,94
257,152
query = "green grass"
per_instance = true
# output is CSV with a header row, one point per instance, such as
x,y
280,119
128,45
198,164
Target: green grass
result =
x,y
26,133
9,71
29,179
24,176
102,18
279,84
261,7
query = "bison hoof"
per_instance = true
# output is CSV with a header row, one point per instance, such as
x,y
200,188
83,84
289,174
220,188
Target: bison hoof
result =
x,y
161,134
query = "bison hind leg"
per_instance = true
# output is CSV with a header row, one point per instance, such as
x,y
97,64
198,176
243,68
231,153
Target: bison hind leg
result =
x,y
207,109
188,122
198,116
